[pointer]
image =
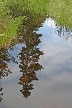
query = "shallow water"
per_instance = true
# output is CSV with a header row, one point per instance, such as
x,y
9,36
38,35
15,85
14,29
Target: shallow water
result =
x,y
36,70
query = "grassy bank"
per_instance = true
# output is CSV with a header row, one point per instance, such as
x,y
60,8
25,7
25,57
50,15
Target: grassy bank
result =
x,y
60,10
13,12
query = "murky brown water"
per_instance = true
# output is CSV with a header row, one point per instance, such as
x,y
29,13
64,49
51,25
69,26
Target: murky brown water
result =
x,y
36,69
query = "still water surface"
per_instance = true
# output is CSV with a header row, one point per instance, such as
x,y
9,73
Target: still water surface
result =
x,y
36,69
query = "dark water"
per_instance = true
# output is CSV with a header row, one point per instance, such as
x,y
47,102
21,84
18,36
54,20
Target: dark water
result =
x,y
36,69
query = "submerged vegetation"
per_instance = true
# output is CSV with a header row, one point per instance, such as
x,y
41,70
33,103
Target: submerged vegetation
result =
x,y
12,13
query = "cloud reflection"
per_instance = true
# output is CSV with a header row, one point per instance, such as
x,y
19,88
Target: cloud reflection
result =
x,y
56,60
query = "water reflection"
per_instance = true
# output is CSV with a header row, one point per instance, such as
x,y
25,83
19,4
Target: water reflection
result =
x,y
61,31
29,55
1,94
4,60
4,70
55,84
65,32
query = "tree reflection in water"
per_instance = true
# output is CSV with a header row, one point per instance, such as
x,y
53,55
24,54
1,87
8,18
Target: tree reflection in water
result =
x,y
29,55
65,32
4,70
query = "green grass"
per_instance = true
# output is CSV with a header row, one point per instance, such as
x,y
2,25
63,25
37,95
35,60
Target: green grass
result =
x,y
12,12
61,10
10,31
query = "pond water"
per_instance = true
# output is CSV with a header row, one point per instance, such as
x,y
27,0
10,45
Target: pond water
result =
x,y
36,69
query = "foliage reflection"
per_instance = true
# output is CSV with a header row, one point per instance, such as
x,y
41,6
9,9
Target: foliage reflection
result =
x,y
1,94
29,55
4,70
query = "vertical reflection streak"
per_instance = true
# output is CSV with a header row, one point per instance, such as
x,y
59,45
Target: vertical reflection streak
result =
x,y
29,55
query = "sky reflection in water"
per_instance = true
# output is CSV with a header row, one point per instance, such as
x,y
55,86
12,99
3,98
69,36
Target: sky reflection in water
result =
x,y
54,87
